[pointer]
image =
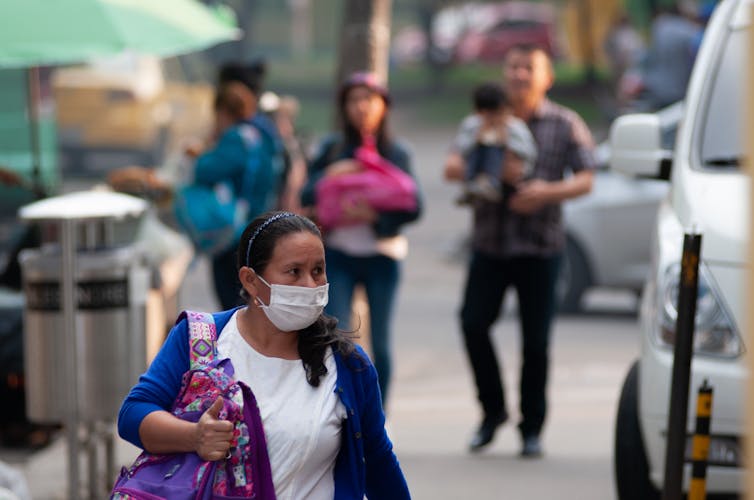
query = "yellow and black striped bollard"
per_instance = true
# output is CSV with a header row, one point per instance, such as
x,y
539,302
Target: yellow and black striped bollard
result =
x,y
700,443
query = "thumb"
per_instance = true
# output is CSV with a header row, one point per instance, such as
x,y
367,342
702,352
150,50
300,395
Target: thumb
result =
x,y
214,410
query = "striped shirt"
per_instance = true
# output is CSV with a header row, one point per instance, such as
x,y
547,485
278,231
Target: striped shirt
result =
x,y
564,144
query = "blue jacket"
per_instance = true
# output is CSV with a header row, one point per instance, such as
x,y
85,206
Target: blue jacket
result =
x,y
365,463
242,159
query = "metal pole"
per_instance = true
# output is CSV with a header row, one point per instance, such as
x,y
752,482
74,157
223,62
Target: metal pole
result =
x,y
92,445
32,102
67,290
109,456
684,345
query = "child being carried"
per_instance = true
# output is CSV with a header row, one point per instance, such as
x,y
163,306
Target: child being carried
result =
x,y
486,140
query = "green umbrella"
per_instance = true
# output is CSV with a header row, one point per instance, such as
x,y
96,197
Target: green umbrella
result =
x,y
47,32
52,32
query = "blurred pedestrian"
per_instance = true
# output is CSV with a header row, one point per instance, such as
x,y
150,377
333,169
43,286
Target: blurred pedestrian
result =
x,y
237,162
624,47
665,69
367,247
521,247
316,391
284,111
270,178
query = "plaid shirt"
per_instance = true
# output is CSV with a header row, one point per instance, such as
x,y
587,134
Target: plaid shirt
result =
x,y
564,142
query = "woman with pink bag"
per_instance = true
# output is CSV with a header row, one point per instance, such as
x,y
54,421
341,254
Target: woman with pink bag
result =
x,y
363,190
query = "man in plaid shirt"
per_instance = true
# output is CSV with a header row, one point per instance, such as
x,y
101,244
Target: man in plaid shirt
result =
x,y
519,243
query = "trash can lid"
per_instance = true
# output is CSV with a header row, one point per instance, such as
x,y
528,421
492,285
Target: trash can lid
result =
x,y
84,205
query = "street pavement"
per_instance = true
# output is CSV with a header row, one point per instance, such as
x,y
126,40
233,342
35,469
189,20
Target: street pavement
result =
x,y
432,409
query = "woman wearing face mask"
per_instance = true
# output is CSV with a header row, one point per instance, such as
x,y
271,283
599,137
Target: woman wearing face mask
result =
x,y
367,247
316,390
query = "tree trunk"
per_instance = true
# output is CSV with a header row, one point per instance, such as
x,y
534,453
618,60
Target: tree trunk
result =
x,y
364,38
301,27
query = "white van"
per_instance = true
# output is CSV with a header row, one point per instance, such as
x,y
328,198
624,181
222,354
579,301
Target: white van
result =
x,y
709,192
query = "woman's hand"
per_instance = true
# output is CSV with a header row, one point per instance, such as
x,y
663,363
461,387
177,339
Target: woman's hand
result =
x,y
341,167
358,211
193,148
213,436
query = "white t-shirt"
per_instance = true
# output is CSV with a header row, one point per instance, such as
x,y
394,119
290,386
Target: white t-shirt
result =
x,y
359,240
302,424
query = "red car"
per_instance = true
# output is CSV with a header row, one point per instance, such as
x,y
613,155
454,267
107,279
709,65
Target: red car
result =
x,y
504,26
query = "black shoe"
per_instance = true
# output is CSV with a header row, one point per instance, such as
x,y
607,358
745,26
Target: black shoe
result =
x,y
486,432
532,448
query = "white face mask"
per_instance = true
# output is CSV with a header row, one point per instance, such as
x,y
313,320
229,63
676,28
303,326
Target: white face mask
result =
x,y
293,308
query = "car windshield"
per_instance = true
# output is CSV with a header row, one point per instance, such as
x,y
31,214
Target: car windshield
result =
x,y
722,147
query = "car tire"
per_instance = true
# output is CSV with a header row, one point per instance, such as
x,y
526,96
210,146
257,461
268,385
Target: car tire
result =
x,y
630,459
575,277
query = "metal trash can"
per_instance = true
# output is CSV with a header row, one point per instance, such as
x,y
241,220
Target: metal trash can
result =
x,y
111,281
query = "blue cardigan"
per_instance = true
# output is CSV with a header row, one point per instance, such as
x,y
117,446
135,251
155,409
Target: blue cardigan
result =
x,y
365,463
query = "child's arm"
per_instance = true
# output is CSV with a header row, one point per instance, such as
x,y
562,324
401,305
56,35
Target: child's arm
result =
x,y
520,142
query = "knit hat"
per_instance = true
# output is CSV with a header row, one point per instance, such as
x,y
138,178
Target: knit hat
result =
x,y
363,79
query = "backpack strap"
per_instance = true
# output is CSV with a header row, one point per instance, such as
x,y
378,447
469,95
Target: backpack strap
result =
x,y
202,336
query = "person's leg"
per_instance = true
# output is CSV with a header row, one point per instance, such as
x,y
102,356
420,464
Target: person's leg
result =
x,y
381,281
225,279
493,164
483,297
535,280
340,275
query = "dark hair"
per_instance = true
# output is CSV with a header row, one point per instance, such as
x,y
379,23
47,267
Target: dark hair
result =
x,y
255,250
529,48
489,96
236,100
251,74
351,135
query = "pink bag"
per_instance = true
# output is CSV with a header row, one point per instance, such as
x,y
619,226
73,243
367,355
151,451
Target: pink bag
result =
x,y
381,184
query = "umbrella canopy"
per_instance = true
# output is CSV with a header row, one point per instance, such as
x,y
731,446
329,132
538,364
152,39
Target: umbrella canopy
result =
x,y
50,32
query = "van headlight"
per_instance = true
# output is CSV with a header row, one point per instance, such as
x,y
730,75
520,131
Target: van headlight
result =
x,y
715,332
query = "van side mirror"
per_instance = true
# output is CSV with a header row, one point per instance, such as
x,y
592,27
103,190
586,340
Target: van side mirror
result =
x,y
636,147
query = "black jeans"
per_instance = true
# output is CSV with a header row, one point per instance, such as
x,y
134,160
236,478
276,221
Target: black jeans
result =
x,y
534,280
225,278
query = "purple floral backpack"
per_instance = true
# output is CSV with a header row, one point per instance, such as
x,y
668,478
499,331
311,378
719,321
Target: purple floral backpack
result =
x,y
186,476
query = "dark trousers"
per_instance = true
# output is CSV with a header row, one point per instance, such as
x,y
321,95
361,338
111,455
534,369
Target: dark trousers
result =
x,y
534,280
380,276
225,278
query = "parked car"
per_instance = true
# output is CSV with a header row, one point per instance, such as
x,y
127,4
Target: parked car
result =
x,y
597,253
483,32
132,105
710,192
513,23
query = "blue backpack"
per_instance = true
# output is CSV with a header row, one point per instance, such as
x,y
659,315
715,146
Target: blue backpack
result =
x,y
245,473
214,217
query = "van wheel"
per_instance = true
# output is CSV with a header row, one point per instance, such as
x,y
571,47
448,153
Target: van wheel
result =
x,y
630,459
573,280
